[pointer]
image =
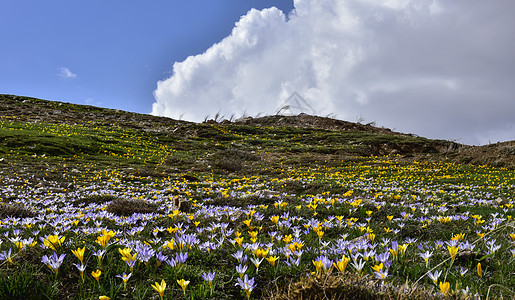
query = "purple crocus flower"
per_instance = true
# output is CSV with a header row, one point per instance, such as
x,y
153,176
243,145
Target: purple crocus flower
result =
x,y
179,260
293,262
395,246
247,285
6,255
209,277
125,278
239,255
171,262
382,257
131,263
381,274
241,269
326,262
54,261
145,253
161,258
208,246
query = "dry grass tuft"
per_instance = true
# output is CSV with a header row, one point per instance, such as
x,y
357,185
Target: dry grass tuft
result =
x,y
232,160
15,210
348,286
125,207
96,199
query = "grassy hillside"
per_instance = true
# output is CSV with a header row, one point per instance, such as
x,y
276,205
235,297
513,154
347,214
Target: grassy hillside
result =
x,y
310,206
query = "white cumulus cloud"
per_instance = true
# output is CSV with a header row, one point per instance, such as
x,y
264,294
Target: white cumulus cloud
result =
x,y
441,69
66,73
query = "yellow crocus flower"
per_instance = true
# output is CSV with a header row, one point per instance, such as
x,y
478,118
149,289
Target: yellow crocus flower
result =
x,y
453,251
272,260
341,265
183,283
445,287
79,253
160,288
288,238
378,267
96,275
318,265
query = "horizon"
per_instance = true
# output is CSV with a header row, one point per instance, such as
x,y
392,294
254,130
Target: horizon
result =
x,y
232,119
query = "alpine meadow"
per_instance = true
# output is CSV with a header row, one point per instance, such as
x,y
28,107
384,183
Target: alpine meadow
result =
x,y
104,204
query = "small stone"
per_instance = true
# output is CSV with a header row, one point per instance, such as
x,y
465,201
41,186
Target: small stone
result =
x,y
499,201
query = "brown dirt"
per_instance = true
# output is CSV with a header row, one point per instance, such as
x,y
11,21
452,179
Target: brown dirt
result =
x,y
308,121
501,155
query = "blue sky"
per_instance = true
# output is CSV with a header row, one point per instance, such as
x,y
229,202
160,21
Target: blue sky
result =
x,y
108,53
437,68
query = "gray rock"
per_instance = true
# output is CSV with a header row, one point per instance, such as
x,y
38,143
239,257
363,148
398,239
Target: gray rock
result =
x,y
499,201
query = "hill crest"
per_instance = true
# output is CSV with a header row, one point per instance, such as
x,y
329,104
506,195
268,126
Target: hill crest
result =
x,y
370,140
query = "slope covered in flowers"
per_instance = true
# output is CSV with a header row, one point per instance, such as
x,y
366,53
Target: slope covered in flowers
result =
x,y
203,211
